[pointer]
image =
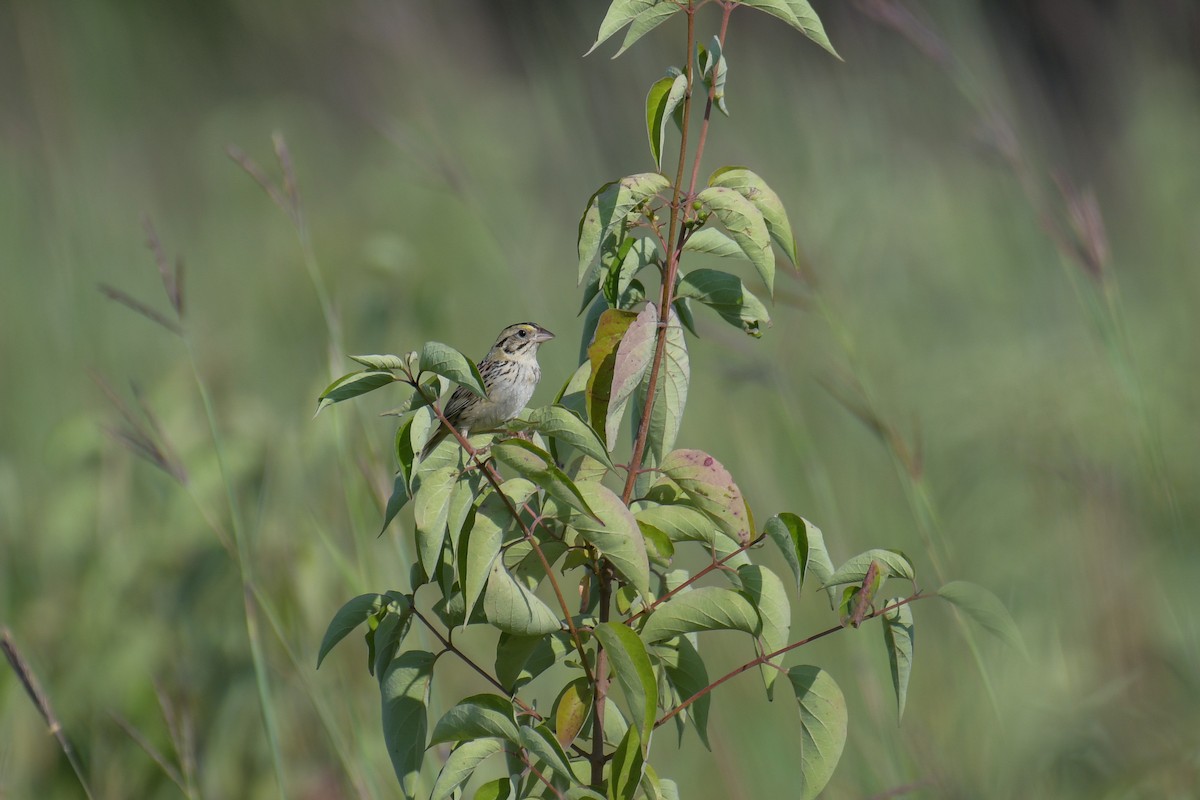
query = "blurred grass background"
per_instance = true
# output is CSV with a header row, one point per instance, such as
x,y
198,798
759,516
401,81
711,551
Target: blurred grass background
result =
x,y
444,152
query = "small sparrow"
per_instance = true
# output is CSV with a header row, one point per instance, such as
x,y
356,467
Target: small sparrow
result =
x,y
510,374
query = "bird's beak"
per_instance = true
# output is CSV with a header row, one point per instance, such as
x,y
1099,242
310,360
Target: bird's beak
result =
x,y
542,335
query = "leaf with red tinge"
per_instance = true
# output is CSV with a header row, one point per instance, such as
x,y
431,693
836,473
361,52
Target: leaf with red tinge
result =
x,y
629,367
711,488
602,354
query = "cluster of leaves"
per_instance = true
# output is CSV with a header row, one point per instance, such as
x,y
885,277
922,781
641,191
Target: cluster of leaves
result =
x,y
505,521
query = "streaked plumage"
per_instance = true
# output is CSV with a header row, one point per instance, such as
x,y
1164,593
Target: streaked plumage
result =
x,y
510,373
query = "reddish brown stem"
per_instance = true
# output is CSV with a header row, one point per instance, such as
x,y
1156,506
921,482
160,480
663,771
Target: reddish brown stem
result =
x,y
768,656
677,234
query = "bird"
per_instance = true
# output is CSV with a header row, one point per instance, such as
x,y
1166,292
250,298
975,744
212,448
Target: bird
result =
x,y
510,373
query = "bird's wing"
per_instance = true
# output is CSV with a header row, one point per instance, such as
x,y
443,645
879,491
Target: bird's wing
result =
x,y
457,402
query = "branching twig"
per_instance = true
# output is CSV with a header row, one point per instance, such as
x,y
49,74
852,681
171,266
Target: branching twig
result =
x,y
762,659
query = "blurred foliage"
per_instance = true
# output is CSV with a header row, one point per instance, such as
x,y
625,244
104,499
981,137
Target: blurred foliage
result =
x,y
453,144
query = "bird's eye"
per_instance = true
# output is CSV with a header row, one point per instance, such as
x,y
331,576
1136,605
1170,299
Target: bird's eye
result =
x,y
522,333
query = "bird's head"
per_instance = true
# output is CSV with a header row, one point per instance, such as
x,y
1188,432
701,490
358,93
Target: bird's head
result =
x,y
521,339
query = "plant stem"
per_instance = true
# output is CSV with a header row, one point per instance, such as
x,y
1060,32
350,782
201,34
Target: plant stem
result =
x,y
40,701
601,683
676,234
768,656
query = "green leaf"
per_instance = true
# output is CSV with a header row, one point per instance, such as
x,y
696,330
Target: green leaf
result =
x,y
631,360
591,230
391,632
396,501
659,547
891,562
539,741
615,725
353,385
711,488
898,636
617,536
683,308
498,789
819,563
442,359
602,355
593,275
713,70
800,15
669,399
626,769
451,609
713,242
620,14
608,211
728,296
629,660
987,610
404,692
823,721
477,717
745,224
538,466
406,453
520,659
481,547
583,793
381,361
523,562
571,710
645,22
686,671
512,608
656,106
709,608
565,427
431,508
461,764
749,185
664,97
764,589
462,505
633,256
790,534
349,616
679,523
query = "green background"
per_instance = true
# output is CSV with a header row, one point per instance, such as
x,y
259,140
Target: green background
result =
x,y
444,153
